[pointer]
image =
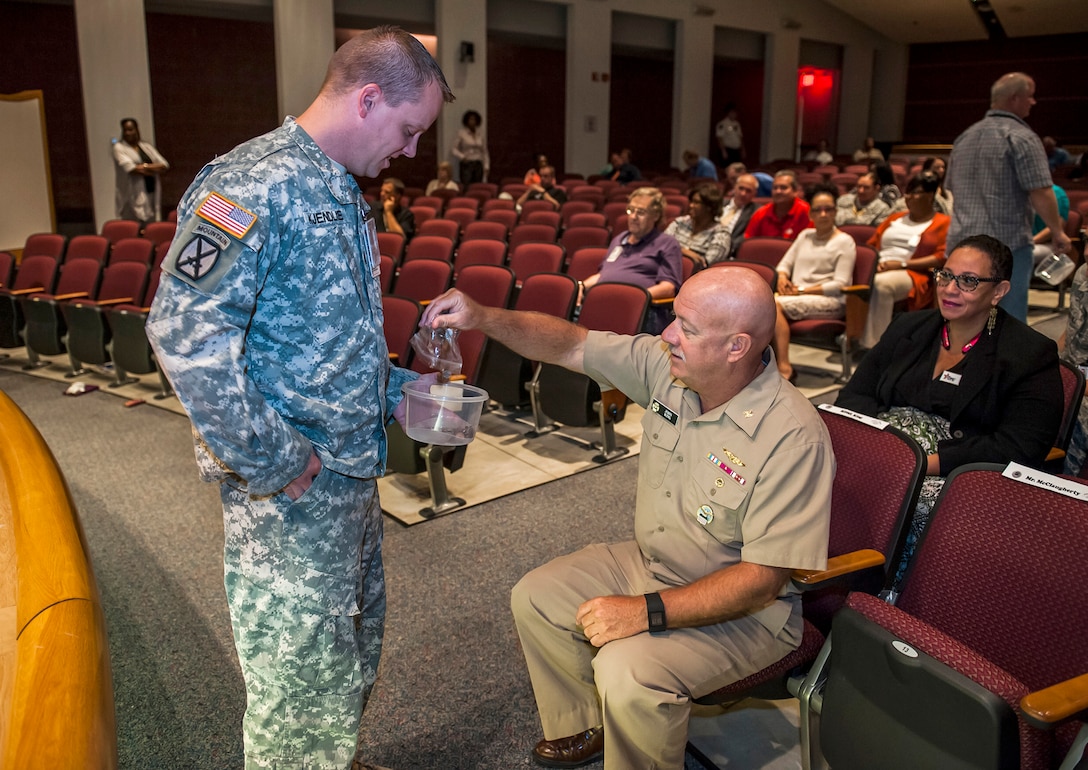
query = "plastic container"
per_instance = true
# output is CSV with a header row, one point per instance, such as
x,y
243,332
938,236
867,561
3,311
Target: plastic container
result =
x,y
443,414
1055,268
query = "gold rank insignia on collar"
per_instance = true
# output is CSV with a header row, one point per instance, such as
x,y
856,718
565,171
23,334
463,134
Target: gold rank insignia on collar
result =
x,y
736,460
749,413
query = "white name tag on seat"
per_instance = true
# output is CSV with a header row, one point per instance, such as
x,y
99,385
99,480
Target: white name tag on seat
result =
x,y
858,416
1026,475
951,377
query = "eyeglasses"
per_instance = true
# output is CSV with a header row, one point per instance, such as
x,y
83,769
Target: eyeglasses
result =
x,y
822,209
633,212
964,282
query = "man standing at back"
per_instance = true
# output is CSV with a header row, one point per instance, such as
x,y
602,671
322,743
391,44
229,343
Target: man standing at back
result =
x,y
998,172
268,323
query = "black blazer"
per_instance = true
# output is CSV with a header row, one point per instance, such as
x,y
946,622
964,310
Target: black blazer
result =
x,y
740,224
1007,407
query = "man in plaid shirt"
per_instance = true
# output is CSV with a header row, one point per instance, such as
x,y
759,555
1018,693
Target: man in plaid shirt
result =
x,y
998,172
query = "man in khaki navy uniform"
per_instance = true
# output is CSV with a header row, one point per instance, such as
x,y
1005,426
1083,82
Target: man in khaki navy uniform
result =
x,y
268,324
734,492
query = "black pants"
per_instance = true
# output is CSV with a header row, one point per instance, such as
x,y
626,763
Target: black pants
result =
x,y
471,171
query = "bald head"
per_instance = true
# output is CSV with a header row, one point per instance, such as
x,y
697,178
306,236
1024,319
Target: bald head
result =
x,y
737,299
1013,92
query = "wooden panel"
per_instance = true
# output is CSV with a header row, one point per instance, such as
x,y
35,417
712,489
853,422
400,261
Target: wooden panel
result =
x,y
58,706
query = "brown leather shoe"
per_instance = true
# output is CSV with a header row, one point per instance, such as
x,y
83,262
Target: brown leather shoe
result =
x,y
573,751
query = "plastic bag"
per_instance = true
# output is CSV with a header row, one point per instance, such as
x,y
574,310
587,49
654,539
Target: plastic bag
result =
x,y
438,349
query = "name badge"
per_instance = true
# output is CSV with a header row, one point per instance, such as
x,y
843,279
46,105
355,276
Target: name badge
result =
x,y
615,254
663,411
373,260
950,377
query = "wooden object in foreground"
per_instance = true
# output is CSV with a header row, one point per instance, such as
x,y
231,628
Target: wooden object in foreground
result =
x,y
56,691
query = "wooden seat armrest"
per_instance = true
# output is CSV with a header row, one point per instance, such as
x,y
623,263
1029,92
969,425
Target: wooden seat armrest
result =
x,y
1056,703
23,292
458,378
613,400
857,288
1055,454
843,564
663,301
73,295
394,357
116,301
424,302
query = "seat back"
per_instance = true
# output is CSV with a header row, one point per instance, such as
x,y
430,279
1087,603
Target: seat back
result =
x,y
123,279
615,307
7,269
575,238
115,230
496,204
489,285
1072,394
422,213
767,251
586,262
463,202
158,232
461,217
423,279
94,247
435,202
588,219
507,217
386,272
480,252
530,233
865,514
45,245
34,272
445,228
860,233
432,247
132,250
391,245
551,293
490,188
572,207
401,321
529,258
80,276
530,206
549,218
484,230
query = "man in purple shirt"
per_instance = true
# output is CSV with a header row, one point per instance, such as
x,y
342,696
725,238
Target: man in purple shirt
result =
x,y
643,255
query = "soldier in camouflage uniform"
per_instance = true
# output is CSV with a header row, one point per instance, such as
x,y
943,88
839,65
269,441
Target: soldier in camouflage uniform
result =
x,y
268,324
1075,351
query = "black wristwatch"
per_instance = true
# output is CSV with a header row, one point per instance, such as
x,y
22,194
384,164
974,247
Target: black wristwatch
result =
x,y
655,612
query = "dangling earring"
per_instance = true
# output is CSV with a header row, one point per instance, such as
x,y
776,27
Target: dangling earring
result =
x,y
992,321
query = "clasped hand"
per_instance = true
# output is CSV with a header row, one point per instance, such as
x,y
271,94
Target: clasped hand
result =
x,y
606,618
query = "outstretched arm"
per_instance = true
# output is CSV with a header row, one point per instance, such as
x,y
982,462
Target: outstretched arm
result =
x,y
536,336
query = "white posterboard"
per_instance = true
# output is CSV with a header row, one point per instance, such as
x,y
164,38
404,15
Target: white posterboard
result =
x,y
25,185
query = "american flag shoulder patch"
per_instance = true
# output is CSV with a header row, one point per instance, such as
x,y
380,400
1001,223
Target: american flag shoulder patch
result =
x,y
227,215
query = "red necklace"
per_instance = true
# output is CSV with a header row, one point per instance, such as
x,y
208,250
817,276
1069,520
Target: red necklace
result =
x,y
947,343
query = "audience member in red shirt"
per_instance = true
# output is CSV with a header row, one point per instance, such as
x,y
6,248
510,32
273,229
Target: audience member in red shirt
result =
x,y
785,216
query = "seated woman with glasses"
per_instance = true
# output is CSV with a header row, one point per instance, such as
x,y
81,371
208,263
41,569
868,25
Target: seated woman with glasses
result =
x,y
644,256
812,274
910,245
699,233
966,380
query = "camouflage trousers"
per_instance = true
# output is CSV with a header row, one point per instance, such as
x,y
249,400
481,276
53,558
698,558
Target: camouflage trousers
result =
x,y
306,591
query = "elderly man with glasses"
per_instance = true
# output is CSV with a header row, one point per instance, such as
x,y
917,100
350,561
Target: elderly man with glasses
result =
x,y
644,255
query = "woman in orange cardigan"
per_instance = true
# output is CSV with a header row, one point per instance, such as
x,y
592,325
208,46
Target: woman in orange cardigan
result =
x,y
910,244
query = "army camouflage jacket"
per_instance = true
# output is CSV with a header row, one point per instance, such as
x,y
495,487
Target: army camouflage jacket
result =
x,y
268,320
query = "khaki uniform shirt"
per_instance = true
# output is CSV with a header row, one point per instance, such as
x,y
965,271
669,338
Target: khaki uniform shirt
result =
x,y
748,481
